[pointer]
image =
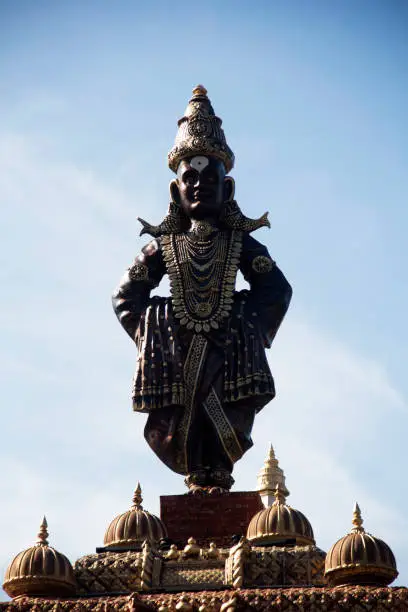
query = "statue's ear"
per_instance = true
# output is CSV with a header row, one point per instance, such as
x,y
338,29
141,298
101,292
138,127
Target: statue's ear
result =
x,y
229,189
174,192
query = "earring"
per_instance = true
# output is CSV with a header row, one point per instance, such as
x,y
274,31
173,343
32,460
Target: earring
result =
x,y
172,223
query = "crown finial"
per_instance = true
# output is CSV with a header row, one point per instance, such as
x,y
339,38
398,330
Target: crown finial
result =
x,y
199,90
43,533
357,519
137,497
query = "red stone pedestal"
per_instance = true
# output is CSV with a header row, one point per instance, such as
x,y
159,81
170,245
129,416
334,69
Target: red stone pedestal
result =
x,y
208,518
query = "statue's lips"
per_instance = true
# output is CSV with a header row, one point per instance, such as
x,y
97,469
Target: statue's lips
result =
x,y
206,199
201,208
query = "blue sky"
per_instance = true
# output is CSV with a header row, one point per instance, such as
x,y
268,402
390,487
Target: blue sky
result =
x,y
313,97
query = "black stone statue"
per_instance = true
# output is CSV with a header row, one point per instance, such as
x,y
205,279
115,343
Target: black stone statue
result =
x,y
202,373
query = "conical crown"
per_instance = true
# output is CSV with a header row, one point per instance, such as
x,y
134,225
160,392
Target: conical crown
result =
x,y
200,133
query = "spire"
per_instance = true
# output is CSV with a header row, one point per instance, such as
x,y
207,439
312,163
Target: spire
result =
x,y
43,533
137,498
357,520
270,475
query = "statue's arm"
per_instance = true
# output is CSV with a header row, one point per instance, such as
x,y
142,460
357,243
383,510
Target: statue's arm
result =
x,y
269,288
131,297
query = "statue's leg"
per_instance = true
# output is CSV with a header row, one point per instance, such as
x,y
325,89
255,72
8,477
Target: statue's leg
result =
x,y
161,434
196,474
229,431
190,442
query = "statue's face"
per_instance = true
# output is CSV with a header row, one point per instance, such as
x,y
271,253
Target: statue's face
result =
x,y
201,185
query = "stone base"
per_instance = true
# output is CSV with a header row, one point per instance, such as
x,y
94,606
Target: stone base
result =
x,y
275,566
208,518
149,570
238,567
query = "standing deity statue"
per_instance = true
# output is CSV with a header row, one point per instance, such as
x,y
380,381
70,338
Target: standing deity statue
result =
x,y
202,373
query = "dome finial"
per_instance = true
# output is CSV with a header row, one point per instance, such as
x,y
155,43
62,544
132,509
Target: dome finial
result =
x,y
137,497
43,533
269,476
279,494
357,520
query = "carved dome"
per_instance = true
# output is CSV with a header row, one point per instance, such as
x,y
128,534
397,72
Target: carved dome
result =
x,y
40,571
360,559
279,522
130,529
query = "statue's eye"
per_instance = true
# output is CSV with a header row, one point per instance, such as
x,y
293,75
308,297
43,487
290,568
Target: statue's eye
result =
x,y
190,178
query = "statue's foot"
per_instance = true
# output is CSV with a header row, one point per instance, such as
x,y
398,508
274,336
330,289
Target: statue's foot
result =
x,y
196,482
220,480
197,490
217,491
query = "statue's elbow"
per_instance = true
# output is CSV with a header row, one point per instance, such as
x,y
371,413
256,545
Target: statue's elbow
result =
x,y
117,301
288,295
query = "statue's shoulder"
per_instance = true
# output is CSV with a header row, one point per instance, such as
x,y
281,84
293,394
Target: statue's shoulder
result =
x,y
250,244
152,248
151,254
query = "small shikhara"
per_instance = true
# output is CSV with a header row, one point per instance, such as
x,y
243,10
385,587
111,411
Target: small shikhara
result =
x,y
202,372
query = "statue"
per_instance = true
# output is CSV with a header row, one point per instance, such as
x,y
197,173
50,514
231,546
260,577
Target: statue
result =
x,y
202,373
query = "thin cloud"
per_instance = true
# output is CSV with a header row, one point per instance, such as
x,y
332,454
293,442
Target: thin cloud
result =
x,y
76,450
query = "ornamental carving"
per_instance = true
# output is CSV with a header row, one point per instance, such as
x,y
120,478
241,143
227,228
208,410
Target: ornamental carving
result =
x,y
350,599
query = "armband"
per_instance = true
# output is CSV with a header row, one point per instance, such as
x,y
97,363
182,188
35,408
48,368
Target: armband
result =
x,y
262,264
138,272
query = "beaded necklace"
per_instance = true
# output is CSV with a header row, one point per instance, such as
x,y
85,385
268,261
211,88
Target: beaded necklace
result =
x,y
202,269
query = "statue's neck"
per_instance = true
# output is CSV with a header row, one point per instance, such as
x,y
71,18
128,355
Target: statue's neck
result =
x,y
203,229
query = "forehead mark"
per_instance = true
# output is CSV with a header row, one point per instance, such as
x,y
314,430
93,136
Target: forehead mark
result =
x,y
199,162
